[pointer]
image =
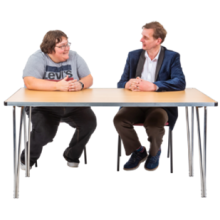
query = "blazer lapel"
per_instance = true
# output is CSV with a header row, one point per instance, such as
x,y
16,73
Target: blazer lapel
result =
x,y
140,65
159,62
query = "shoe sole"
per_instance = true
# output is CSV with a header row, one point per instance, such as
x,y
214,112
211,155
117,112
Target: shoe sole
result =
x,y
72,165
137,165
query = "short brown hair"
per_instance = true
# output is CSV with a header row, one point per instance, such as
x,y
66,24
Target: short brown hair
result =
x,y
159,31
50,40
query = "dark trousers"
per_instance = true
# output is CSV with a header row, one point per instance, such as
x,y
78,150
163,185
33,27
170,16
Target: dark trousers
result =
x,y
45,122
153,119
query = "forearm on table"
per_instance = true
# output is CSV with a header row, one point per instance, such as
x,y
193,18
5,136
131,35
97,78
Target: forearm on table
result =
x,y
87,81
171,85
39,84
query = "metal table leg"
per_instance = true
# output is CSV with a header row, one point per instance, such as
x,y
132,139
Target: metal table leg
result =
x,y
27,146
14,150
204,147
25,141
188,140
190,145
202,159
17,154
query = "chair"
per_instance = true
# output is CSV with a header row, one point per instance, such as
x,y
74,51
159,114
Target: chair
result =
x,y
170,148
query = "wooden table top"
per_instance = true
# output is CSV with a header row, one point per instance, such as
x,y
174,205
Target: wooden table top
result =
x,y
109,97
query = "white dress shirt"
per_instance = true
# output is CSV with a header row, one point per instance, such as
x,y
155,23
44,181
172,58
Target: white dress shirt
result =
x,y
149,69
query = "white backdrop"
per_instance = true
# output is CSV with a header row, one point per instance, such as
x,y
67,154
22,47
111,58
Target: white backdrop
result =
x,y
103,32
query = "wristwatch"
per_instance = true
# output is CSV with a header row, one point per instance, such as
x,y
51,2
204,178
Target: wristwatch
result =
x,y
81,84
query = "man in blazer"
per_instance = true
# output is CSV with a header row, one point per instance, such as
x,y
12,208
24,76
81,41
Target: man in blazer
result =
x,y
152,68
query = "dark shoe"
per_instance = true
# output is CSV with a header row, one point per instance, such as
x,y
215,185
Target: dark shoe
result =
x,y
23,166
152,162
135,160
70,163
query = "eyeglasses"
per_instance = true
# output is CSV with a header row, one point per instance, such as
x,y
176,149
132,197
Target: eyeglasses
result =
x,y
63,47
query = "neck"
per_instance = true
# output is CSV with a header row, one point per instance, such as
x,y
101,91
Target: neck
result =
x,y
52,58
152,53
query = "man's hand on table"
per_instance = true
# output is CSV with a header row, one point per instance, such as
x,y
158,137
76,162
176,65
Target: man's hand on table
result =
x,y
138,84
129,83
68,86
75,86
63,85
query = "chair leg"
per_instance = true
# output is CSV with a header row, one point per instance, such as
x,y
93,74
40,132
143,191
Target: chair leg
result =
x,y
168,149
85,158
171,150
120,147
119,153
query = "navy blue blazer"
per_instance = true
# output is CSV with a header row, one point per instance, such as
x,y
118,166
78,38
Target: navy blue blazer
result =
x,y
168,77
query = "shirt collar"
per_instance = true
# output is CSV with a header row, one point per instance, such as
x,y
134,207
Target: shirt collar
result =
x,y
156,58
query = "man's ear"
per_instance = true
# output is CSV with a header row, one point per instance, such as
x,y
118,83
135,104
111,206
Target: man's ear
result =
x,y
159,40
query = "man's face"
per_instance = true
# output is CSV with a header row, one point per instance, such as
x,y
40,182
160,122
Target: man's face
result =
x,y
61,54
148,41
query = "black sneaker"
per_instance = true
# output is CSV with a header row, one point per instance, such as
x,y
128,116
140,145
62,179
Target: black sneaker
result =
x,y
23,166
135,160
70,163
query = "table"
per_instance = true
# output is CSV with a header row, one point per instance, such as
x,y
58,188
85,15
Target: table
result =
x,y
110,97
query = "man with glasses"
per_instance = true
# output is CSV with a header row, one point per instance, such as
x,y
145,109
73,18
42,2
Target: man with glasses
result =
x,y
56,67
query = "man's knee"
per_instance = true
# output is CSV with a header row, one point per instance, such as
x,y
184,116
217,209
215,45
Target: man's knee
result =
x,y
93,123
44,129
121,121
118,121
158,118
